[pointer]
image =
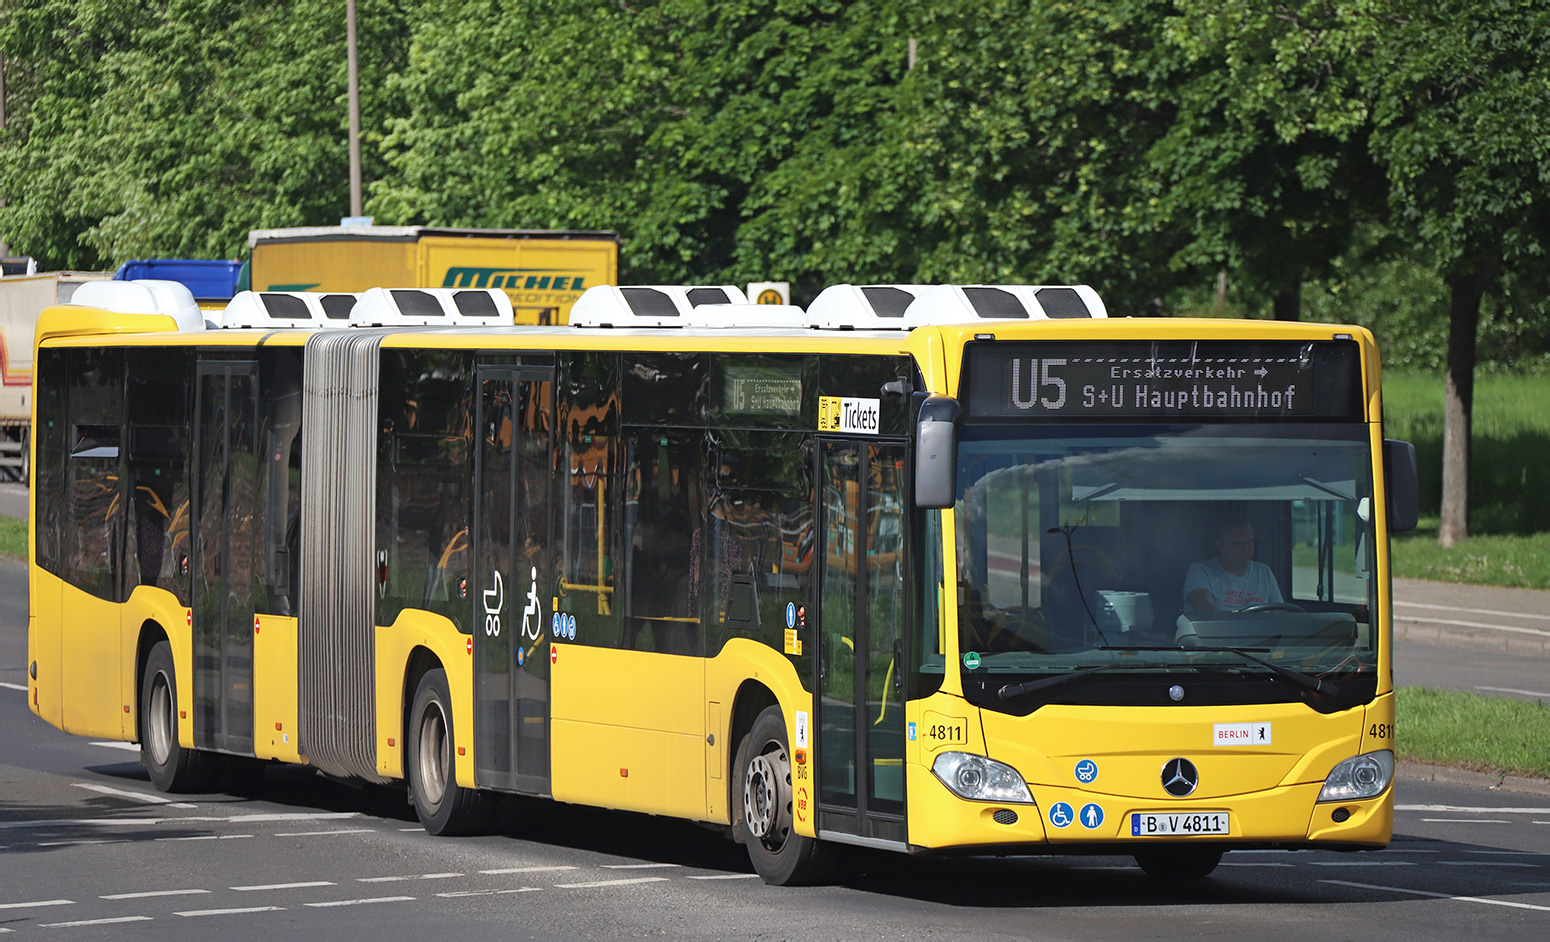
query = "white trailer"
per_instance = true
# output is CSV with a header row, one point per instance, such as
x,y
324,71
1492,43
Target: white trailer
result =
x,y
22,299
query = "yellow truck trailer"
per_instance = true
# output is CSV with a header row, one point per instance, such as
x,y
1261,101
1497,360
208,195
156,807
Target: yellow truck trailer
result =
x,y
543,271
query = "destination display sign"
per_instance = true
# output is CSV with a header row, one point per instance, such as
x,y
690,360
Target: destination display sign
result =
x,y
1183,380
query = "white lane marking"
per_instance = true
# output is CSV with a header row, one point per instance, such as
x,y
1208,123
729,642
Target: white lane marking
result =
x,y
207,837
755,876
289,816
94,922
85,822
1526,693
9,686
1466,899
1465,820
126,746
41,902
133,796
1472,611
82,842
283,886
232,912
411,829
362,902
646,866
148,894
1511,853
418,876
1473,624
461,893
1487,863
597,883
1362,863
1471,809
496,873
1253,864
189,819
321,833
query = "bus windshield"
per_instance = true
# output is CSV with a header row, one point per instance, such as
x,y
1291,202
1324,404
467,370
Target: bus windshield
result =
x,y
1152,550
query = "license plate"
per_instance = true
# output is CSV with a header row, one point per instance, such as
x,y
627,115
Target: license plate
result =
x,y
1170,823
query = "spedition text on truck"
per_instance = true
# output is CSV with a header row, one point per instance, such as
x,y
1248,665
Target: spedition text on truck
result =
x,y
881,572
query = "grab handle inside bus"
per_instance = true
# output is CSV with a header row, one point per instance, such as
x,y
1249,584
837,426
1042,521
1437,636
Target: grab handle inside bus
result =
x,y
936,453
1399,469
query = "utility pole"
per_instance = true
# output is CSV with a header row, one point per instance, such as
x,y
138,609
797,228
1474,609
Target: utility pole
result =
x,y
355,109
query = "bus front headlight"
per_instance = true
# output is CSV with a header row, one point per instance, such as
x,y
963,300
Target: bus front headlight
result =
x,y
980,779
1363,776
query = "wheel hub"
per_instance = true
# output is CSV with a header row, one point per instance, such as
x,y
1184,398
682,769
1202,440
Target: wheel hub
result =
x,y
766,795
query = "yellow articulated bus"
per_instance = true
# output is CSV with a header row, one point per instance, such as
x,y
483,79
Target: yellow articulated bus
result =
x,y
970,569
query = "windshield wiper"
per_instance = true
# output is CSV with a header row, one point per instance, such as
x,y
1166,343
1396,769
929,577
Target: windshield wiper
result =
x,y
1017,690
1306,681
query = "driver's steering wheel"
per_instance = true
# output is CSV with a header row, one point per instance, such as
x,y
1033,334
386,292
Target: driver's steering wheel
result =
x,y
1272,607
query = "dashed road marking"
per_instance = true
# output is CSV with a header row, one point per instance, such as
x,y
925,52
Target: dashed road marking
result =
x,y
307,884
639,866
83,841
10,686
1470,809
232,912
1511,853
418,876
149,894
1526,693
94,922
207,837
1472,611
323,833
1427,893
109,744
133,796
1256,863
38,903
1465,820
1361,863
598,883
755,876
496,873
1487,863
362,902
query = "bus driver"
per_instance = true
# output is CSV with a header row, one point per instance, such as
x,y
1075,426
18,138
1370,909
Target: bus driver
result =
x,y
1232,580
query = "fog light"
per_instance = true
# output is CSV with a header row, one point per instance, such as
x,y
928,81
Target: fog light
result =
x,y
1341,815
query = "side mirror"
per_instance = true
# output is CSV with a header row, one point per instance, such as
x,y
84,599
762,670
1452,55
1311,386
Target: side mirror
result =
x,y
1404,489
936,453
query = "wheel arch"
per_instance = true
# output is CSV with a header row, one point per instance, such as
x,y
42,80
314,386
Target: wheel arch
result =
x,y
751,699
151,634
422,660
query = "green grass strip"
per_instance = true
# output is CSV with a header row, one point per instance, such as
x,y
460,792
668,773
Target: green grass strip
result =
x,y
13,538
1506,559
1488,734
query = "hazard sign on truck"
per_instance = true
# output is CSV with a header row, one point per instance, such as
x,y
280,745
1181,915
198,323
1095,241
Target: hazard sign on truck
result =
x,y
543,271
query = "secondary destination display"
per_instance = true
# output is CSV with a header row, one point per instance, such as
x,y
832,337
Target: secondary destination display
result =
x,y
1164,380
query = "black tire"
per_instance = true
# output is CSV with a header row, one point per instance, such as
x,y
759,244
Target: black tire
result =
x,y
443,806
761,808
172,768
1180,863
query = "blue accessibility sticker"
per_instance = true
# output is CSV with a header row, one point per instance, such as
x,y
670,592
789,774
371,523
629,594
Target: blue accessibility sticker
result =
x,y
791,614
1060,814
1086,771
1092,816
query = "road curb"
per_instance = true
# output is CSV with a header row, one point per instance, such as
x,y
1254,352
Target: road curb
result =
x,y
1477,639
1448,775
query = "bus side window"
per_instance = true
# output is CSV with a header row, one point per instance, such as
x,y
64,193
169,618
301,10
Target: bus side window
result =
x,y
664,519
93,548
156,407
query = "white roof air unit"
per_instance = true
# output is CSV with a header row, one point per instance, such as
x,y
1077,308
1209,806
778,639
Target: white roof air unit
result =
x,y
967,304
863,307
288,310
432,307
761,316
146,296
654,305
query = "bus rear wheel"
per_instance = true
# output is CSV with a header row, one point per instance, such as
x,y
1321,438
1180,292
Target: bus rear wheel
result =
x,y
1179,863
443,806
761,808
172,767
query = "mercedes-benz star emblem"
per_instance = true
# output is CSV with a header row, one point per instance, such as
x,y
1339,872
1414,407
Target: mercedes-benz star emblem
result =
x,y
1176,693
1179,777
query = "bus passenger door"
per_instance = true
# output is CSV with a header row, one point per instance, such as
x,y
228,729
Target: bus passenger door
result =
x,y
512,601
226,509
860,724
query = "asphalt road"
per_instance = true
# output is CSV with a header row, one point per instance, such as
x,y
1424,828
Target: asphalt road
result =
x,y
89,850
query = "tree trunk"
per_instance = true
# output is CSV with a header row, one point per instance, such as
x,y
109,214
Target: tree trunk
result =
x,y
1287,305
1459,399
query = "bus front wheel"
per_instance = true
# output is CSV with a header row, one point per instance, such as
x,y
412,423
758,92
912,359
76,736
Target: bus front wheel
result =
x,y
1180,863
443,806
172,767
761,806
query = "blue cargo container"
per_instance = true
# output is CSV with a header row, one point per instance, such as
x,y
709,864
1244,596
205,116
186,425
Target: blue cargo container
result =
x,y
207,280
